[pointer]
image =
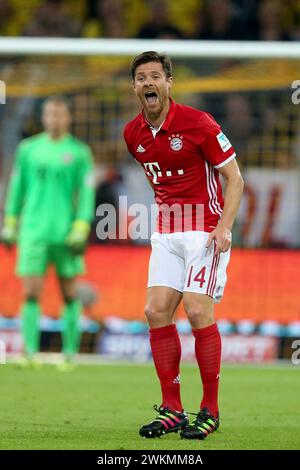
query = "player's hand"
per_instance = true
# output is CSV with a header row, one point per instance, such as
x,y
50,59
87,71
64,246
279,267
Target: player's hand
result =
x,y
9,231
77,238
222,237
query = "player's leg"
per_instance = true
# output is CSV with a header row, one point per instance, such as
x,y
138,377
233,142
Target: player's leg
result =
x,y
30,312
68,267
161,305
31,267
166,351
204,284
200,311
70,317
163,296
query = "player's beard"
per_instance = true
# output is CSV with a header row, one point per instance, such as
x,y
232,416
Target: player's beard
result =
x,y
154,115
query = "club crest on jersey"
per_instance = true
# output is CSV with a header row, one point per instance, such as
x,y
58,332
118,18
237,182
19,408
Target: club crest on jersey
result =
x,y
67,158
176,142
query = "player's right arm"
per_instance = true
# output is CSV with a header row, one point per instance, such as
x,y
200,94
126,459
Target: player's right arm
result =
x,y
14,198
218,151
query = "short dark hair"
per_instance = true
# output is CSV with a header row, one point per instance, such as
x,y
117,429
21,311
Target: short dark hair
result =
x,y
152,56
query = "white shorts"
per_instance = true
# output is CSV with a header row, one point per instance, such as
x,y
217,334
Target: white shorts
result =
x,y
181,261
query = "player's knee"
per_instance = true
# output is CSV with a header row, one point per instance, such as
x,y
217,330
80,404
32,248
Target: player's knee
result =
x,y
31,298
32,293
32,288
150,312
153,313
198,315
68,290
68,299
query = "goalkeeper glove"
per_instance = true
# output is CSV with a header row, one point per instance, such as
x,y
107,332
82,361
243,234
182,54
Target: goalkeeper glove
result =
x,y
77,238
9,230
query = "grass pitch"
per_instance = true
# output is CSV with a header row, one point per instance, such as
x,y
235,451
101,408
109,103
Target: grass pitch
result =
x,y
101,407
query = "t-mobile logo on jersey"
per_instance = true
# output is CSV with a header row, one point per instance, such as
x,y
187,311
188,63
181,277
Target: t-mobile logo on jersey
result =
x,y
153,169
150,170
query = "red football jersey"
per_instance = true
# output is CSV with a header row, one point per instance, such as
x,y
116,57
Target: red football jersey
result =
x,y
181,161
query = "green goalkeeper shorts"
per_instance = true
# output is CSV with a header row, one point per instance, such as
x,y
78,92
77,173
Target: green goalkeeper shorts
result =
x,y
34,258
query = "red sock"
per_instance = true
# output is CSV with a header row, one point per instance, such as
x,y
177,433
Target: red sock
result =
x,y
166,352
208,354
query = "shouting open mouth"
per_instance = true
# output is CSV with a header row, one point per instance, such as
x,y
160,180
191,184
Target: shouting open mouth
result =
x,y
151,97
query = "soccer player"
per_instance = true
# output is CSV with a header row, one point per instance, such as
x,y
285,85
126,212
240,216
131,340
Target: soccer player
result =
x,y
182,151
48,211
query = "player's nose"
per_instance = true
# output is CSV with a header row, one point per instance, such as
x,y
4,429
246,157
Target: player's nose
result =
x,y
148,81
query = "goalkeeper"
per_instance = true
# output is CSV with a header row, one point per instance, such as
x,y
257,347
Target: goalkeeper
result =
x,y
48,211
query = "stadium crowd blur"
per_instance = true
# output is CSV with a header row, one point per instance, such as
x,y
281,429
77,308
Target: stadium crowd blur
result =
x,y
266,20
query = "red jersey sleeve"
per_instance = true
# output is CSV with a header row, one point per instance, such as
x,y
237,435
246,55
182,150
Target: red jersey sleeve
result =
x,y
127,135
214,145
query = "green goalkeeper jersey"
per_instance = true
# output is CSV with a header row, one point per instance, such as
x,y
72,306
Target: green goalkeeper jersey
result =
x,y
51,186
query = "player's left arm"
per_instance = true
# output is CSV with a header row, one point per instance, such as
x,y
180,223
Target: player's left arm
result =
x,y
85,203
234,186
85,209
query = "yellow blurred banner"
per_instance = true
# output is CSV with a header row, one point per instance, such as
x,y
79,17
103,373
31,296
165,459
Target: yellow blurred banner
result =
x,y
40,77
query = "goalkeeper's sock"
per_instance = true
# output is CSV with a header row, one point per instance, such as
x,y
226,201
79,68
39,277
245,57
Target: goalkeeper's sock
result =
x,y
30,326
208,354
71,327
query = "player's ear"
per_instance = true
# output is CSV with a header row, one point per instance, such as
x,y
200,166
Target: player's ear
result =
x,y
170,81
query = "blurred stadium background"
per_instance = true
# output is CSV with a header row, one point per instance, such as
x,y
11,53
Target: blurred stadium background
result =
x,y
250,97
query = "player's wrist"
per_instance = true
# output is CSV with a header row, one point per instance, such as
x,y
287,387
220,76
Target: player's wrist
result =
x,y
225,225
11,221
82,227
9,230
77,238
